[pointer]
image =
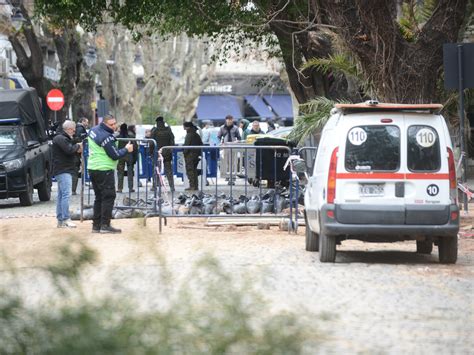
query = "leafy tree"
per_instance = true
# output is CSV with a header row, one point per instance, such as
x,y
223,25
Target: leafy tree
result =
x,y
403,69
30,60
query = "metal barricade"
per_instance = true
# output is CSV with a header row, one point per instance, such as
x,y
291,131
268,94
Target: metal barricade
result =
x,y
264,164
145,195
309,156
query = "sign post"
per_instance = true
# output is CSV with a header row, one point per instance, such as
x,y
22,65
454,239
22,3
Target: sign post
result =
x,y
458,75
55,101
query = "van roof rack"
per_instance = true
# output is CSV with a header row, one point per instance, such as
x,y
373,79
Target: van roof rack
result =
x,y
376,106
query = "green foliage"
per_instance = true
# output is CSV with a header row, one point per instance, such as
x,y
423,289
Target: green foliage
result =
x,y
212,312
315,115
414,16
340,63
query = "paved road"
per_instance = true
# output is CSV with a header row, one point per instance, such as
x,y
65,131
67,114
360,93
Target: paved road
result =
x,y
376,298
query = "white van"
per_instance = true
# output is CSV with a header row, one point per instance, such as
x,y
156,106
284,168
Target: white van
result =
x,y
383,173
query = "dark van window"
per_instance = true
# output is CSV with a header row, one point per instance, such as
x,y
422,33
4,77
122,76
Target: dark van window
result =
x,y
423,149
370,148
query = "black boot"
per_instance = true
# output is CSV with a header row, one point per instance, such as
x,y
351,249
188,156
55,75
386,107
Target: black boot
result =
x,y
109,229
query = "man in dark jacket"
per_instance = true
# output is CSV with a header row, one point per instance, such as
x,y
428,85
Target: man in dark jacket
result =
x,y
163,136
256,128
191,156
229,132
129,160
64,152
79,136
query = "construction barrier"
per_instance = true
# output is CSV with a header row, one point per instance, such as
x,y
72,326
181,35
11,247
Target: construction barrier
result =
x,y
144,182
261,183
232,192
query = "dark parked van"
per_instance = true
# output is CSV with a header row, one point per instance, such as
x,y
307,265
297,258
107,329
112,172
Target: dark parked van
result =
x,y
25,155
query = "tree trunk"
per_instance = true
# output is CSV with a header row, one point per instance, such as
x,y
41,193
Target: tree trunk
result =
x,y
400,71
84,96
31,66
69,52
299,43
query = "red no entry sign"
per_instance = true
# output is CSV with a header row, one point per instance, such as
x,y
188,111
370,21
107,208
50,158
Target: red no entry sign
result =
x,y
55,100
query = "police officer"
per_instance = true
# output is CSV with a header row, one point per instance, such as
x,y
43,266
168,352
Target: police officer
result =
x,y
163,135
191,156
103,158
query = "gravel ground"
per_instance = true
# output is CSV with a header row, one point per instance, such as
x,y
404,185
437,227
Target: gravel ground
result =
x,y
376,298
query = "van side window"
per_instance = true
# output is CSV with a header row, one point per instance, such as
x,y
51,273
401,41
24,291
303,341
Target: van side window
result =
x,y
423,149
373,148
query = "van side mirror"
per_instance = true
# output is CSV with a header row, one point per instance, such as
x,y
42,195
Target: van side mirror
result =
x,y
32,144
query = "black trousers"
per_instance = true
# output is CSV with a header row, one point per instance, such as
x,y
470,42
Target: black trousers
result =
x,y
103,183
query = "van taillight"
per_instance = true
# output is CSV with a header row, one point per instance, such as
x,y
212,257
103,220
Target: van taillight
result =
x,y
452,177
332,176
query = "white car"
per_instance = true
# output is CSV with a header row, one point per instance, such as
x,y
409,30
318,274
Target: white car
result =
x,y
383,173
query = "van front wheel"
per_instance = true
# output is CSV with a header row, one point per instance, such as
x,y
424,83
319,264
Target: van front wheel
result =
x,y
327,248
44,187
448,250
312,239
26,198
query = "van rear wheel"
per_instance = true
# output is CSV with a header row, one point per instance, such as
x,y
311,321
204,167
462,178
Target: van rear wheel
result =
x,y
327,248
448,250
312,239
424,246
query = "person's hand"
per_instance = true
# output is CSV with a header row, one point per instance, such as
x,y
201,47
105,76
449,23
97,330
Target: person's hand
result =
x,y
80,147
129,147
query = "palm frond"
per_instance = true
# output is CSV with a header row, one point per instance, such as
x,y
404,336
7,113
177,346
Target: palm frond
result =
x,y
338,63
425,11
406,29
315,114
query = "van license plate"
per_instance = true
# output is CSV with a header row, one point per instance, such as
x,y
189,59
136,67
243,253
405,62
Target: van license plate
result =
x,y
371,190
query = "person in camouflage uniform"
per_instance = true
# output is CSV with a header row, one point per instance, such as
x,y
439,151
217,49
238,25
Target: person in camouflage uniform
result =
x,y
191,156
163,136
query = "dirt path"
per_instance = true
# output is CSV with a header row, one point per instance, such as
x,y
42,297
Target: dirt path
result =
x,y
375,298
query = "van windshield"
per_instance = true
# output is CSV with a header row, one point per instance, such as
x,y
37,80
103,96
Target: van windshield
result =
x,y
9,136
423,149
373,148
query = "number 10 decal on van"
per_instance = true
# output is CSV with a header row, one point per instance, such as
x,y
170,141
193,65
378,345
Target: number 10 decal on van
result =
x,y
383,173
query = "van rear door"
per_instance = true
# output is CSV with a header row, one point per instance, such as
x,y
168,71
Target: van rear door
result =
x,y
427,177
370,184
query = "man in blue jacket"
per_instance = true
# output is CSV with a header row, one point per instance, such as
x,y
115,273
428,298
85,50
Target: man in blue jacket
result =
x,y
103,159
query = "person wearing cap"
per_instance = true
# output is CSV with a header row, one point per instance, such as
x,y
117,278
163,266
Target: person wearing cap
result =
x,y
103,158
163,135
129,160
191,156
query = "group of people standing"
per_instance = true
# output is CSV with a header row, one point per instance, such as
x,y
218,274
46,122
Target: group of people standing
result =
x,y
104,155
107,154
